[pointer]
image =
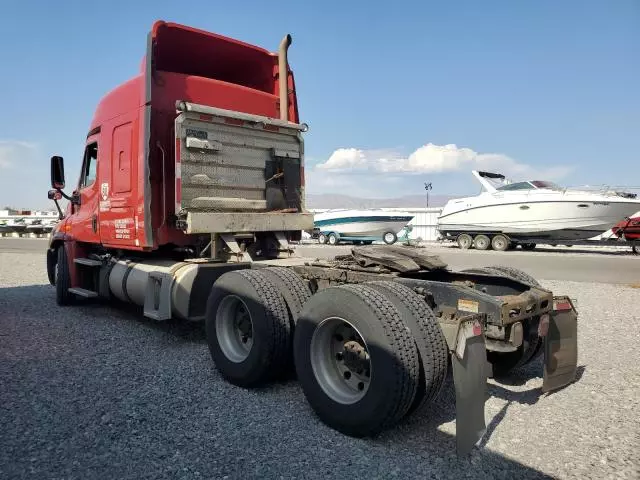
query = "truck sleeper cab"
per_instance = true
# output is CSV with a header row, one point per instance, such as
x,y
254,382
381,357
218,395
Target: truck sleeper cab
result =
x,y
191,190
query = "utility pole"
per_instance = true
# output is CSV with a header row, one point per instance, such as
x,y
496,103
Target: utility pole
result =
x,y
427,187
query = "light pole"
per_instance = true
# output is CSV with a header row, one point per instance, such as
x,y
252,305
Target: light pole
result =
x,y
427,187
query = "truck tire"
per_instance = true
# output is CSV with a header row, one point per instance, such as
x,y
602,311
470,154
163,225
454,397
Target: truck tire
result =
x,y
292,287
430,341
63,279
295,292
52,260
356,360
502,271
515,274
247,328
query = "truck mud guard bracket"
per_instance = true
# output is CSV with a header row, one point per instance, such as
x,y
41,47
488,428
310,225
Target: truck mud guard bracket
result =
x,y
466,343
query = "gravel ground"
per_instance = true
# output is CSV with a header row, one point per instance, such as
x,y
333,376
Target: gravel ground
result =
x,y
99,392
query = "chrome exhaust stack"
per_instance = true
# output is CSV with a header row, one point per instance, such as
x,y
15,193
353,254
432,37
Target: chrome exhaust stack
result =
x,y
283,77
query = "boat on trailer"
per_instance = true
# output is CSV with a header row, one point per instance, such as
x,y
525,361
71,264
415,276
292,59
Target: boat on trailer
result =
x,y
509,213
360,226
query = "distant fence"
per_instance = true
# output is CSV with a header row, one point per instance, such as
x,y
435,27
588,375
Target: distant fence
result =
x,y
423,224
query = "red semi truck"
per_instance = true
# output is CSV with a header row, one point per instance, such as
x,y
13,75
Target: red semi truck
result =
x,y
190,193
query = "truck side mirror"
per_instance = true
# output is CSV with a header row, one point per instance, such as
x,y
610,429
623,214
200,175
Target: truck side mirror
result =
x,y
57,172
54,195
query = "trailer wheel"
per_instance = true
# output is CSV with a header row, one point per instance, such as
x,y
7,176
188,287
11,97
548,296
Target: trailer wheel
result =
x,y
500,243
464,241
389,238
356,360
482,242
63,279
430,341
322,239
247,328
333,239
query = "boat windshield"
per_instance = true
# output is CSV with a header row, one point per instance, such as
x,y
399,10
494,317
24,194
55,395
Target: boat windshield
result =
x,y
545,184
532,185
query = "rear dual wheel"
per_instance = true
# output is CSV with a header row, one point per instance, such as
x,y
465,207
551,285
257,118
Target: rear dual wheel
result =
x,y
368,355
249,320
356,361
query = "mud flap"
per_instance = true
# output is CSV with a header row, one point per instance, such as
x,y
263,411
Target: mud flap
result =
x,y
466,342
561,345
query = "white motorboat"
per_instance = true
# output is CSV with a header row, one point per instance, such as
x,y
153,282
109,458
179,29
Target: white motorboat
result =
x,y
17,225
529,211
360,225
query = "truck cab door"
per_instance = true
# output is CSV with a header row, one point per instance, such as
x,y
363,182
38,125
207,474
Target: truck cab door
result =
x,y
84,219
118,187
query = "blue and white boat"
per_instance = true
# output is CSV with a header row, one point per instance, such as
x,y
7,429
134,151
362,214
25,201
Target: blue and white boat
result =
x,y
360,226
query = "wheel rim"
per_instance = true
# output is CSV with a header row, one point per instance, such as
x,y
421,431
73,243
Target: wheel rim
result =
x,y
234,328
332,239
340,361
322,239
499,243
465,241
482,243
388,237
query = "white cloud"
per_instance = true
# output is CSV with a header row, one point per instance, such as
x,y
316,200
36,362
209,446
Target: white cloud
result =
x,y
429,158
359,170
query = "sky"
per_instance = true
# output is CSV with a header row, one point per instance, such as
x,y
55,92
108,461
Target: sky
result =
x,y
395,94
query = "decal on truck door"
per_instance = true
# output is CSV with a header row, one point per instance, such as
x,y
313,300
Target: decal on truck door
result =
x,y
123,228
105,203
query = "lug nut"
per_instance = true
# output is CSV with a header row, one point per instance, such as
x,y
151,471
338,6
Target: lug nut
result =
x,y
360,386
347,375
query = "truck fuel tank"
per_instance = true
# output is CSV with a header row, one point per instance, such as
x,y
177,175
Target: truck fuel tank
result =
x,y
166,288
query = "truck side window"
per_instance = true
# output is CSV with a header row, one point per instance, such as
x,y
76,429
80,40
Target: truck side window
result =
x,y
90,165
